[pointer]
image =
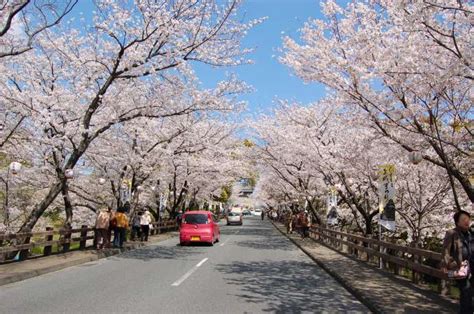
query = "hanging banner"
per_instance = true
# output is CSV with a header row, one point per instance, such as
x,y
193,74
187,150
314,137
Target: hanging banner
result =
x,y
387,197
125,191
162,202
332,216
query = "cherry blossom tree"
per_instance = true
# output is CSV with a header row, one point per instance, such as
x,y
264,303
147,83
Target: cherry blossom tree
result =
x,y
135,61
304,151
408,66
21,21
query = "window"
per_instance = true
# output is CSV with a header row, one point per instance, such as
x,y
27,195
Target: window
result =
x,y
199,219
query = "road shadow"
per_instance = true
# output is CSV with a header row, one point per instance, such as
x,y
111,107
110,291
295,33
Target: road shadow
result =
x,y
288,287
161,252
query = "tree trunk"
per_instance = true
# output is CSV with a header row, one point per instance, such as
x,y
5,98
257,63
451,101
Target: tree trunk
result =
x,y
67,203
39,209
368,225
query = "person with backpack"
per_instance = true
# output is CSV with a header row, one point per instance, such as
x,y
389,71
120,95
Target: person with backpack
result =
x,y
121,229
458,258
136,227
145,221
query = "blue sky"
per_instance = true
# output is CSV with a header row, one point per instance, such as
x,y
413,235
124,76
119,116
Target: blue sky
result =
x,y
270,79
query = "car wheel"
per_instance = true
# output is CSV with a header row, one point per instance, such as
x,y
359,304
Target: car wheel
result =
x,y
182,243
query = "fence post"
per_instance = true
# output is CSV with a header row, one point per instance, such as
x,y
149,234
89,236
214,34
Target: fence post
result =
x,y
2,255
415,277
66,237
443,287
48,248
24,253
82,242
96,234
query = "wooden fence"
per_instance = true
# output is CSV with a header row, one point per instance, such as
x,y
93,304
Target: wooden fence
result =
x,y
393,257
20,246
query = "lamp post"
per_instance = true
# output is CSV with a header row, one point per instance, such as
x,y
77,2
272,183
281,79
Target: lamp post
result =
x,y
415,157
13,168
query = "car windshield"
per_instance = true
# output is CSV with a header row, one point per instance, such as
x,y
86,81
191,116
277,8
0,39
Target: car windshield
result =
x,y
195,219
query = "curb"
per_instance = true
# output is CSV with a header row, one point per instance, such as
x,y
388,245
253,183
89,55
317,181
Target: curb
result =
x,y
67,264
354,291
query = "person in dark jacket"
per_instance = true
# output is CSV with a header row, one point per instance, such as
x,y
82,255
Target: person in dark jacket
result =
x,y
136,227
457,249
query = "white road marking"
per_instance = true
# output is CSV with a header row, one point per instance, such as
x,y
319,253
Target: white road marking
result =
x,y
202,262
224,243
189,273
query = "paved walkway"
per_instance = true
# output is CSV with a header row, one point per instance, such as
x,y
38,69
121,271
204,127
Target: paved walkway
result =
x,y
382,292
17,271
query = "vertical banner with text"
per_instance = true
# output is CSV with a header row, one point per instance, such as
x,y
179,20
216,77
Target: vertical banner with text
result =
x,y
332,216
387,197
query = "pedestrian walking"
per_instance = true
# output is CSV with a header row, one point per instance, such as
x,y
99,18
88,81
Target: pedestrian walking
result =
x,y
145,221
112,226
179,218
274,216
102,228
121,229
304,225
458,258
136,227
263,214
289,222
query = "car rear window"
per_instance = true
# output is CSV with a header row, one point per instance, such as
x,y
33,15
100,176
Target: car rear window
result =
x,y
233,214
195,219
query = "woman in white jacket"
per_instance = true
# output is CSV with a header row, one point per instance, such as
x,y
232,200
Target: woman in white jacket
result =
x,y
145,221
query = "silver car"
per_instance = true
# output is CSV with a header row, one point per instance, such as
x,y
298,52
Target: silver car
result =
x,y
234,218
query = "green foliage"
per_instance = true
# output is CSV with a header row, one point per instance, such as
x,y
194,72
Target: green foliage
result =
x,y
54,215
248,143
433,244
226,193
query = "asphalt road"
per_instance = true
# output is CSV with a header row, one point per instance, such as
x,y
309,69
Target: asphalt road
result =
x,y
253,269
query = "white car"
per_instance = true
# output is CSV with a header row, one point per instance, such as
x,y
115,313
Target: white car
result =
x,y
257,212
234,218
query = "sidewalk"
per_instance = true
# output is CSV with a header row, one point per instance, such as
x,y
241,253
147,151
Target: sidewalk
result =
x,y
18,271
380,291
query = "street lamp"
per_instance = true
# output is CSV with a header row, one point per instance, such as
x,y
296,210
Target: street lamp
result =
x,y
69,174
14,168
415,157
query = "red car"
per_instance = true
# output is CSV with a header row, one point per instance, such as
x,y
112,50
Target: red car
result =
x,y
199,226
